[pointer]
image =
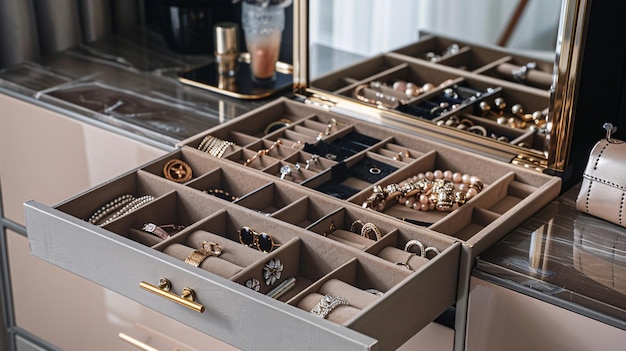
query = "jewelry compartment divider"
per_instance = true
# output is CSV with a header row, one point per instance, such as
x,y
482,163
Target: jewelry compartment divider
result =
x,y
514,196
357,173
209,177
480,59
136,184
207,218
383,89
393,287
224,229
270,199
305,211
356,228
424,154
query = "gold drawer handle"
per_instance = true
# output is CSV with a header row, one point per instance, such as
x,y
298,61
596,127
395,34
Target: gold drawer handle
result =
x,y
163,289
138,344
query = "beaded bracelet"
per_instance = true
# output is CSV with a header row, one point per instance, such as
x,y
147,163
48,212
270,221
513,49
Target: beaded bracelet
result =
x,y
437,190
110,207
118,207
130,207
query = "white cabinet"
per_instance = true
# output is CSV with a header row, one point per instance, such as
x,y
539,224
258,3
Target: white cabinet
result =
x,y
48,156
503,319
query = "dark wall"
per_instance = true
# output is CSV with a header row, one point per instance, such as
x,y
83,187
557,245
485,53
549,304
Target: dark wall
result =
x,y
154,20
601,96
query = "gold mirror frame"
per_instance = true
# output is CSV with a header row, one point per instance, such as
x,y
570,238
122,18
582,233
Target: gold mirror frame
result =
x,y
563,93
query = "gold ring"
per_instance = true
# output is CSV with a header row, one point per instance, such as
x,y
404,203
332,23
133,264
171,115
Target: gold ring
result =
x,y
177,171
368,228
276,125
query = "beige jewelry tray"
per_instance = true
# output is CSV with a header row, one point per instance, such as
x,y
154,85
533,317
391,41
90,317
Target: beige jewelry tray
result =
x,y
296,216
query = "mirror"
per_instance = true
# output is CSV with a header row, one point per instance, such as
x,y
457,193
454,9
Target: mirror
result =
x,y
490,44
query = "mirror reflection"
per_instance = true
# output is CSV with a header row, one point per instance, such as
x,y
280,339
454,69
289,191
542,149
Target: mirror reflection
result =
x,y
376,26
494,62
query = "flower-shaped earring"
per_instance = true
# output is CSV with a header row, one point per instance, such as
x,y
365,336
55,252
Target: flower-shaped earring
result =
x,y
253,284
272,271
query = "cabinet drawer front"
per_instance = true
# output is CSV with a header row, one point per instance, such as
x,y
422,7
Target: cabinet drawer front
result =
x,y
232,313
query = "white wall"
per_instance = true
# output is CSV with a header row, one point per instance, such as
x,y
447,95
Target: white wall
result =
x,y
387,24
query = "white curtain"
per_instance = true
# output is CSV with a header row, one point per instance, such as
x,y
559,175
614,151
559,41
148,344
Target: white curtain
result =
x,y
367,27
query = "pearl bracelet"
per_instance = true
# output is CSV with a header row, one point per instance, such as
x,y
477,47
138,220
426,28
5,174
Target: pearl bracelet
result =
x,y
110,207
128,208
437,190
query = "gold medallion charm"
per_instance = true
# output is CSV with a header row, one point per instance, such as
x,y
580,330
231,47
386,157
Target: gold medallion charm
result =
x,y
177,171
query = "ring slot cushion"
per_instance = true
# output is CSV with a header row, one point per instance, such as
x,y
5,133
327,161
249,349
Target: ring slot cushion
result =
x,y
603,190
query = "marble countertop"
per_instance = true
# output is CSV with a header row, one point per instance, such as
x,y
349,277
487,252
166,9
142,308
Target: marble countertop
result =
x,y
126,82
566,258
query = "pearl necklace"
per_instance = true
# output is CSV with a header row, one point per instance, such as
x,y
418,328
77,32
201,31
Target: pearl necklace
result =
x,y
436,190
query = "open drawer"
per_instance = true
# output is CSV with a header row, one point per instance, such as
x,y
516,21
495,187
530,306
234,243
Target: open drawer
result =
x,y
297,185
226,295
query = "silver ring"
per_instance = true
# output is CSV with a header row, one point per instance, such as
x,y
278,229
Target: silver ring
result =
x,y
284,171
331,156
431,249
314,159
375,170
417,243
368,228
327,304
375,292
405,263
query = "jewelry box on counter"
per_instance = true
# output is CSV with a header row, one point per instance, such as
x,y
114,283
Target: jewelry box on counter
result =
x,y
345,218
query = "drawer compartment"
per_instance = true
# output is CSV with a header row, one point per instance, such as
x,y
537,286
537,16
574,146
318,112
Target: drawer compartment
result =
x,y
226,296
253,181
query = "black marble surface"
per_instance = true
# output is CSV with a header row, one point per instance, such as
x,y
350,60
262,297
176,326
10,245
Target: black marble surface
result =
x,y
566,258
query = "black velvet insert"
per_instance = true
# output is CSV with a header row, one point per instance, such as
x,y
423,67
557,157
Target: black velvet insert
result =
x,y
336,189
371,170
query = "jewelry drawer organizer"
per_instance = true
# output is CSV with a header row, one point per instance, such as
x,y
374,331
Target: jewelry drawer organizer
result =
x,y
456,88
290,181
